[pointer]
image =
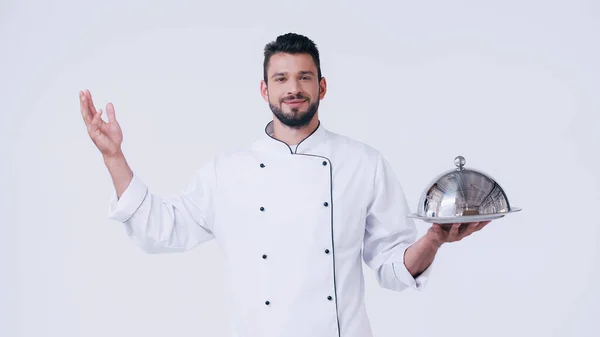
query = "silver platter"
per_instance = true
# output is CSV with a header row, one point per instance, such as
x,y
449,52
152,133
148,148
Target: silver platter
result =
x,y
463,219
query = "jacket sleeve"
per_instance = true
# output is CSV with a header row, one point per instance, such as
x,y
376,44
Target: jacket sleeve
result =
x,y
389,232
172,224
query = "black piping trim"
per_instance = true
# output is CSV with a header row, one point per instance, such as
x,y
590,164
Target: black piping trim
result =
x,y
337,314
315,130
282,142
332,240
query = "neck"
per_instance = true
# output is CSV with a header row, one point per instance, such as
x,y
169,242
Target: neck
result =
x,y
293,136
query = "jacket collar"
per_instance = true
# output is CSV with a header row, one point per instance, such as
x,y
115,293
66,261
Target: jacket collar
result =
x,y
307,145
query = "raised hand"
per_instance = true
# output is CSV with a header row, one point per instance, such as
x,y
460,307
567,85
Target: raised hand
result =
x,y
107,136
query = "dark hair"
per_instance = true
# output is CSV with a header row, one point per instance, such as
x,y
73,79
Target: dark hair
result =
x,y
291,43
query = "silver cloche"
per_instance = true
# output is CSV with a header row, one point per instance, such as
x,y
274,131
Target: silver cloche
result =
x,y
463,195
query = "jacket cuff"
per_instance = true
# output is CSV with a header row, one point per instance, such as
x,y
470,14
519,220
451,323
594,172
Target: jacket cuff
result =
x,y
121,209
405,276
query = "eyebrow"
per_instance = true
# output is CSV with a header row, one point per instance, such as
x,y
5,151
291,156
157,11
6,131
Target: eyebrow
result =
x,y
304,72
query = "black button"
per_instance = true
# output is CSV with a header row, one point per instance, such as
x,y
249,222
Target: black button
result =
x,y
325,204
262,209
326,251
329,298
264,256
324,163
267,302
262,165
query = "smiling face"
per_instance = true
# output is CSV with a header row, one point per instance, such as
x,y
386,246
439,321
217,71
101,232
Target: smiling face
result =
x,y
293,89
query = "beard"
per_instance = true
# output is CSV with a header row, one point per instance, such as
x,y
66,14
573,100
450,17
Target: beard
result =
x,y
295,118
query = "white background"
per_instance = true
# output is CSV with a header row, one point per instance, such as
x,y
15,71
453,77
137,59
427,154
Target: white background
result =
x,y
511,85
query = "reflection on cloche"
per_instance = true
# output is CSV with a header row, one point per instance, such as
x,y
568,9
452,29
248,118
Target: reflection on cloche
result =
x,y
463,195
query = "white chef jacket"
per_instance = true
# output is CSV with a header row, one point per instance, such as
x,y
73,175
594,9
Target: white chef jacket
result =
x,y
294,227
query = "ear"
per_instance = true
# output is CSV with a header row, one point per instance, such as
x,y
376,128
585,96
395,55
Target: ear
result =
x,y
322,88
264,90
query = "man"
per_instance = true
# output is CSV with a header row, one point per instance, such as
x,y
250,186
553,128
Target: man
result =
x,y
294,214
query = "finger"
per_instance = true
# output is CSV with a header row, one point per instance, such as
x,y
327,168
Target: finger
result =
x,y
100,120
453,235
85,111
90,101
437,229
469,229
110,113
481,225
463,228
93,126
97,121
444,227
97,118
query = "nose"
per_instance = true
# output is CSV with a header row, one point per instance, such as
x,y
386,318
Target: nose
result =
x,y
293,87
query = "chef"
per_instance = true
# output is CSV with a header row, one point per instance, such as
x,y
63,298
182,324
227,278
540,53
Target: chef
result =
x,y
294,213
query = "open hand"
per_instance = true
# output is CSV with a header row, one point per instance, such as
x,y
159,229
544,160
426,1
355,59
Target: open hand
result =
x,y
107,136
444,233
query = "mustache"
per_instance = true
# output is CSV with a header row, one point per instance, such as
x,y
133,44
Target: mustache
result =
x,y
293,97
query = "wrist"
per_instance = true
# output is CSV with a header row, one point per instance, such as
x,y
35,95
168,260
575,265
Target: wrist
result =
x,y
431,241
114,157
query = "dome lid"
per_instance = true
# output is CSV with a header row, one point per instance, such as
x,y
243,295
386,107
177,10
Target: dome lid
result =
x,y
463,195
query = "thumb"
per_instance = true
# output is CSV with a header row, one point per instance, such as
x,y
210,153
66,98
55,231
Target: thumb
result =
x,y
110,113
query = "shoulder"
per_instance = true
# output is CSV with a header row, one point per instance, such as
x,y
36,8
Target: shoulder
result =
x,y
354,147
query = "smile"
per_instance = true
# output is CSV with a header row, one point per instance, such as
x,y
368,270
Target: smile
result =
x,y
294,102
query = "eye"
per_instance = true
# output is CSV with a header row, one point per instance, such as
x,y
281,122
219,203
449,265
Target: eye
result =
x,y
279,79
307,78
